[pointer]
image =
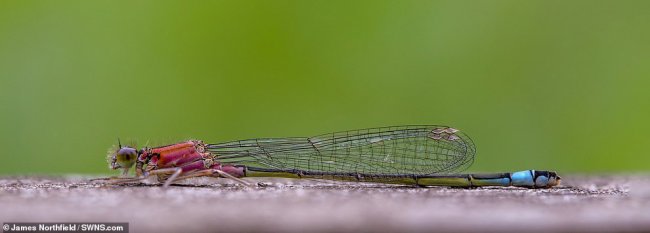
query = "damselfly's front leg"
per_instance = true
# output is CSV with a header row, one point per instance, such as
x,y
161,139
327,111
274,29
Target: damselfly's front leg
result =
x,y
121,180
118,180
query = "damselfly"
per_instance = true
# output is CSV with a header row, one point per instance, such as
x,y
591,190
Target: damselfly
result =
x,y
423,155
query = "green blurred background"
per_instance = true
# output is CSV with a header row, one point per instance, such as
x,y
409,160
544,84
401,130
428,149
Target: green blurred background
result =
x,y
559,85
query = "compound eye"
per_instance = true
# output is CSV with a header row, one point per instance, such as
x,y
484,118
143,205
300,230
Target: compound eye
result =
x,y
125,157
127,152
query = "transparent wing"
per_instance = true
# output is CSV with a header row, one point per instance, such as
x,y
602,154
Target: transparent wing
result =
x,y
388,150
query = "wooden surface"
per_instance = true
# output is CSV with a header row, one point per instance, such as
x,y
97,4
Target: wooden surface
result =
x,y
582,204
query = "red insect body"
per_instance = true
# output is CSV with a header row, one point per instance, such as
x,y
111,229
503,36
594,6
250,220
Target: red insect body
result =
x,y
178,157
173,147
189,156
196,165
